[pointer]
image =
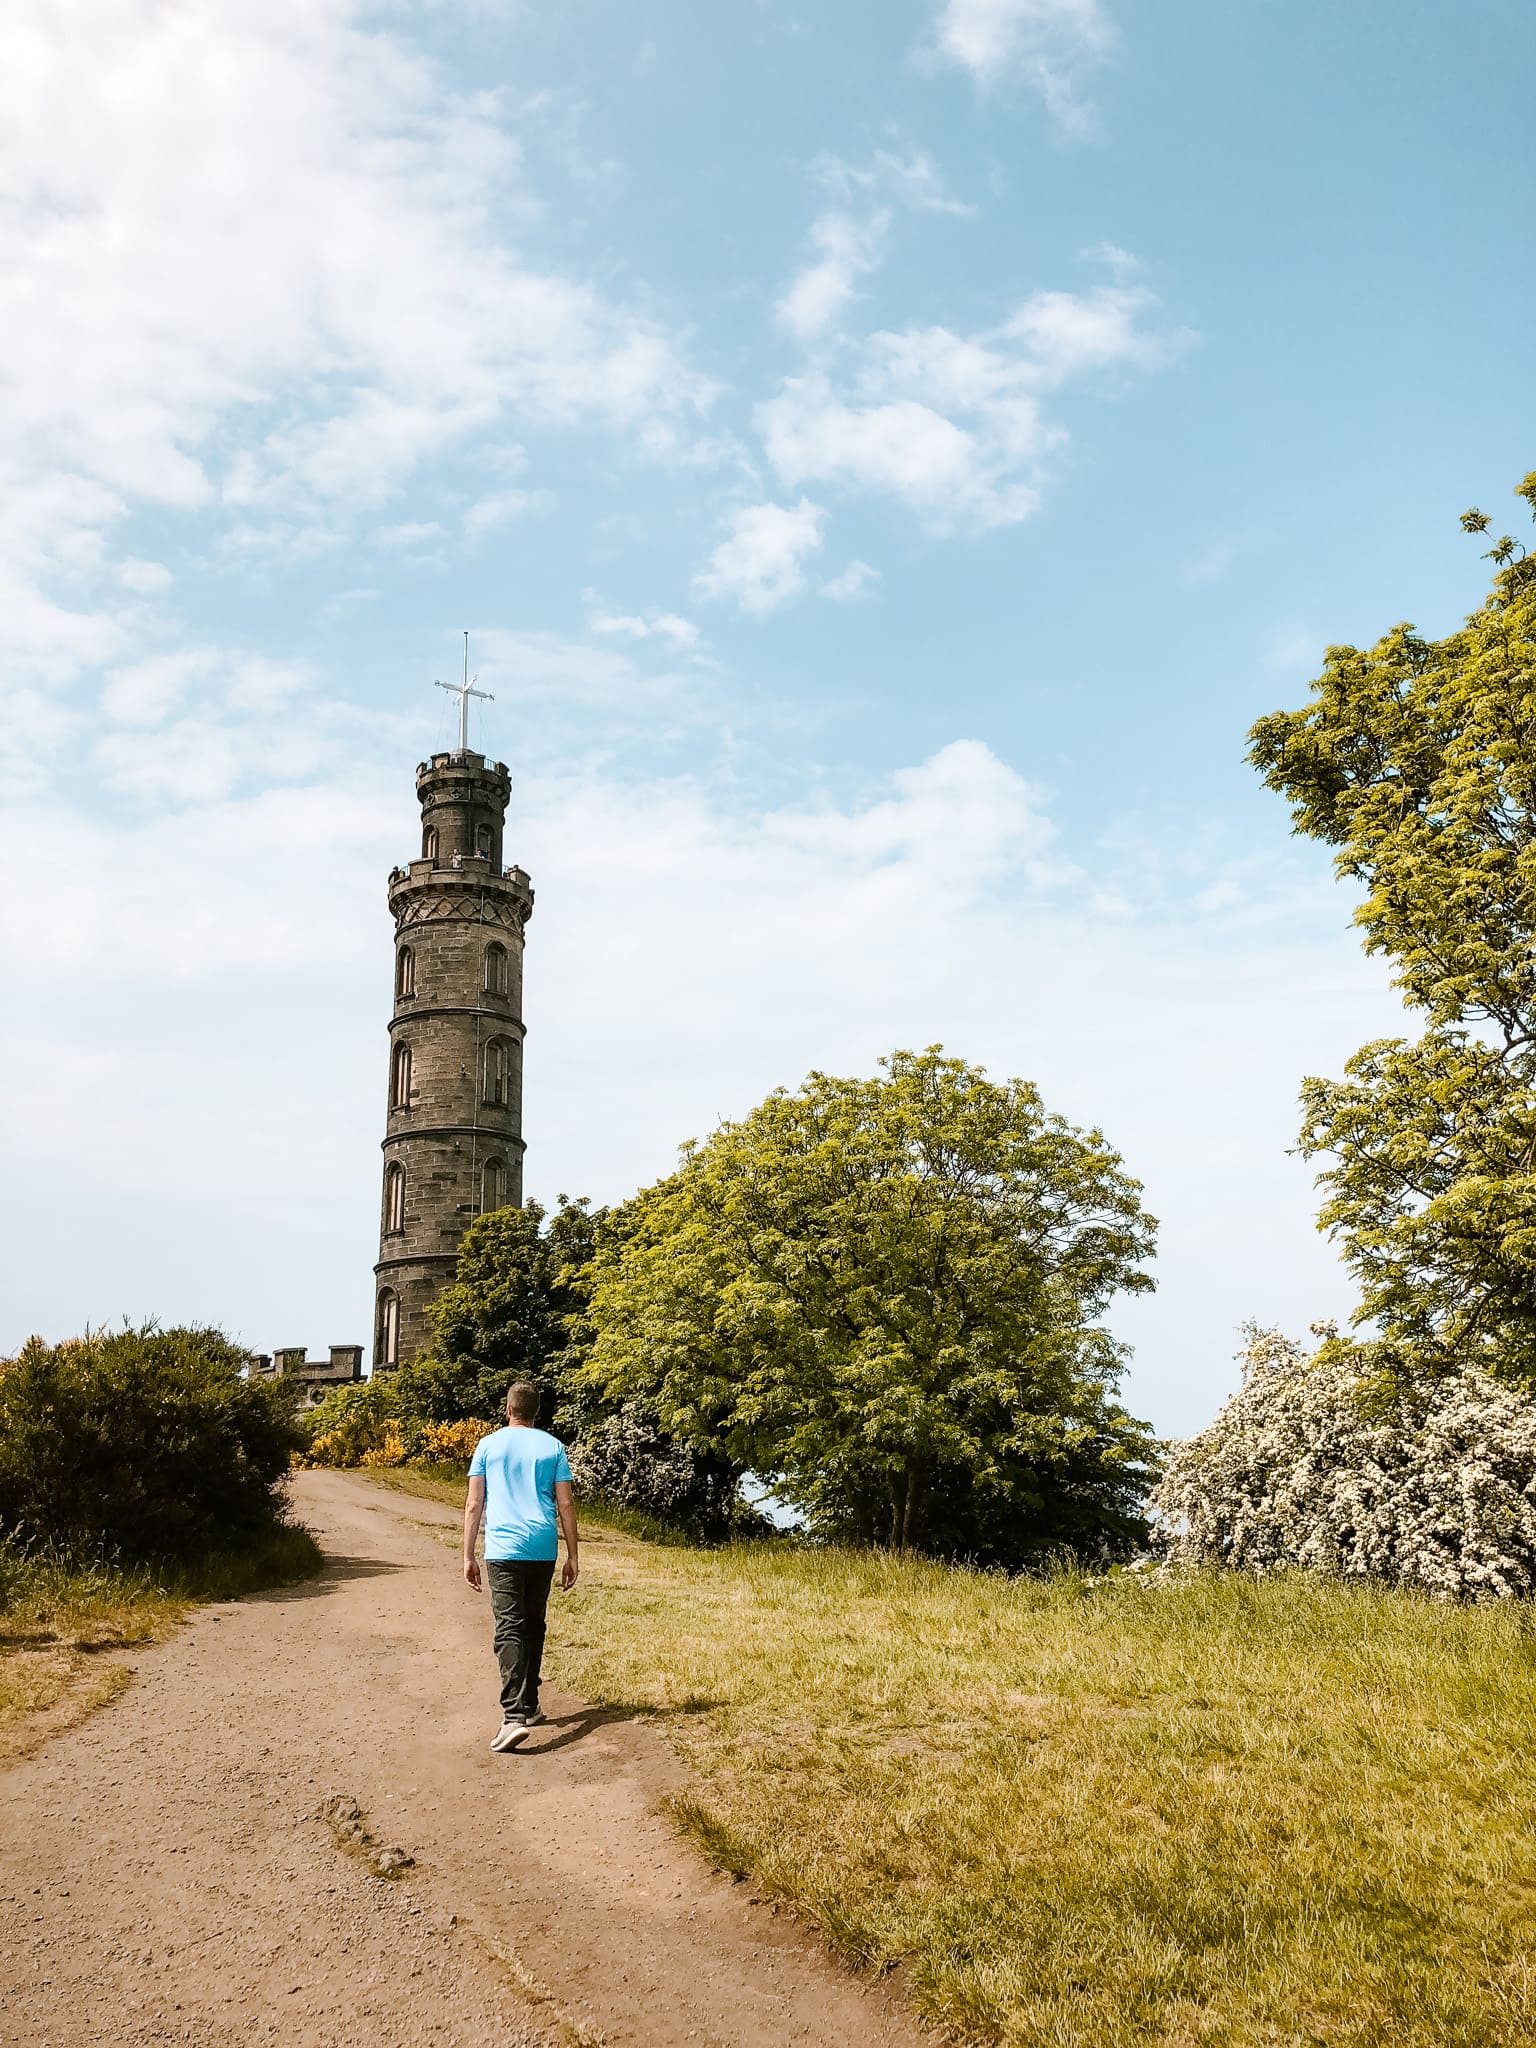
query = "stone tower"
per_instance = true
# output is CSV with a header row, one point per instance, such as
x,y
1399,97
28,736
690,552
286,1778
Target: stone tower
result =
x,y
453,1144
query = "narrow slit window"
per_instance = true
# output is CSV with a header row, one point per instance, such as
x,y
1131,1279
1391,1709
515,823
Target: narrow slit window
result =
x,y
496,1071
394,1196
493,1185
429,843
405,972
400,1078
386,1346
495,970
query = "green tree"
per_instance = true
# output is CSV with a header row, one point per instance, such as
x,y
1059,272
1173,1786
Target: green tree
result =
x,y
1416,759
516,1310
882,1295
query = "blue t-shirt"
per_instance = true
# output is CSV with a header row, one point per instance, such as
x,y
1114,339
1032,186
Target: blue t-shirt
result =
x,y
520,1468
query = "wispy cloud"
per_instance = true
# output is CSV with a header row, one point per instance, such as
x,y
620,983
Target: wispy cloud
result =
x,y
500,508
849,237
956,425
761,562
1046,44
846,248
677,632
410,535
857,580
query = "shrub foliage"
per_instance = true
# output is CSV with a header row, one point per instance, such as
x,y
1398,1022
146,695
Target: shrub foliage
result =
x,y
146,1445
625,1458
1341,1463
362,1436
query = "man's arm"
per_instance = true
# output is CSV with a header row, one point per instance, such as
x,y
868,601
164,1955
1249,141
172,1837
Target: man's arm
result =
x,y
474,1512
565,1508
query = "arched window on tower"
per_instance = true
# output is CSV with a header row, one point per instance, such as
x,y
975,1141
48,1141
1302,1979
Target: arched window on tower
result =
x,y
394,1196
493,1185
400,1078
429,843
496,1071
386,1336
495,969
483,840
405,972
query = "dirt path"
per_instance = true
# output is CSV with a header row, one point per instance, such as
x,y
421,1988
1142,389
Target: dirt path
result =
x,y
163,1876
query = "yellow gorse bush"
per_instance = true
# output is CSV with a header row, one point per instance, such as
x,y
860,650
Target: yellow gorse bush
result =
x,y
451,1443
393,1442
390,1448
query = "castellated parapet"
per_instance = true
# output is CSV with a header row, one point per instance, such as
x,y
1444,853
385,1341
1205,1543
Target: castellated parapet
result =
x,y
453,1145
314,1378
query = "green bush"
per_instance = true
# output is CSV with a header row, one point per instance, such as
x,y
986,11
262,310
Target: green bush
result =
x,y
144,1446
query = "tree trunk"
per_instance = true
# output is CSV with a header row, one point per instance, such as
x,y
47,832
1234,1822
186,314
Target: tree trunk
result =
x,y
911,1499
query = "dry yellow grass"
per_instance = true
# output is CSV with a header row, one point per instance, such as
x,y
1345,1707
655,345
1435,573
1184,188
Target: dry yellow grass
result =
x,y
1081,1816
59,1627
58,1630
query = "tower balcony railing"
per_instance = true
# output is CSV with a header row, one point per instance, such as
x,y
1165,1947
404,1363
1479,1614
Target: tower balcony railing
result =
x,y
471,864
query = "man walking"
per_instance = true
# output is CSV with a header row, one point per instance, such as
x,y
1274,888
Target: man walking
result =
x,y
520,1484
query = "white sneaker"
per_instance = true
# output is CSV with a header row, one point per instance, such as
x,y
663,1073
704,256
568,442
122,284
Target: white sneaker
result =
x,y
508,1735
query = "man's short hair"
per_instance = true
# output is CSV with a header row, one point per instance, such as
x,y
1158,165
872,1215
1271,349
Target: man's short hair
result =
x,y
523,1401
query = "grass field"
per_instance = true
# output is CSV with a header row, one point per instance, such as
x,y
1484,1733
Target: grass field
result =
x,y
1089,1815
59,1627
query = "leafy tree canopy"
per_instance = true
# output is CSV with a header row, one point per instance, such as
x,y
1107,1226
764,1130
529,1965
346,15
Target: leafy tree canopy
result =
x,y
883,1295
1416,759
514,1311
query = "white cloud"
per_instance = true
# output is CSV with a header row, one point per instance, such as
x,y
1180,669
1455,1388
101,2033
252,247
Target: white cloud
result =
x,y
1065,334
850,238
916,181
857,580
1046,43
143,692
145,579
500,508
902,447
954,424
253,261
192,725
589,698
846,249
679,633
410,534
762,562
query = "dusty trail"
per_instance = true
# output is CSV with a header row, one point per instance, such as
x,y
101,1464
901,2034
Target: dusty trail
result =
x,y
162,1877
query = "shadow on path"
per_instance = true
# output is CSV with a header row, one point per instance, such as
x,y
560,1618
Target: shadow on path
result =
x,y
337,1568
560,1731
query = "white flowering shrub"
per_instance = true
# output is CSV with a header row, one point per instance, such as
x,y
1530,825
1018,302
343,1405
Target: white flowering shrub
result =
x,y
1323,1461
626,1460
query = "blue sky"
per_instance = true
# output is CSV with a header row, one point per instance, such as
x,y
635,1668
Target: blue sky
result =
x,y
886,456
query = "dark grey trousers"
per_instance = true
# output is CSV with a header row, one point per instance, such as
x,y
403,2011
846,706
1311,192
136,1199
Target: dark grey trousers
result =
x,y
519,1597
